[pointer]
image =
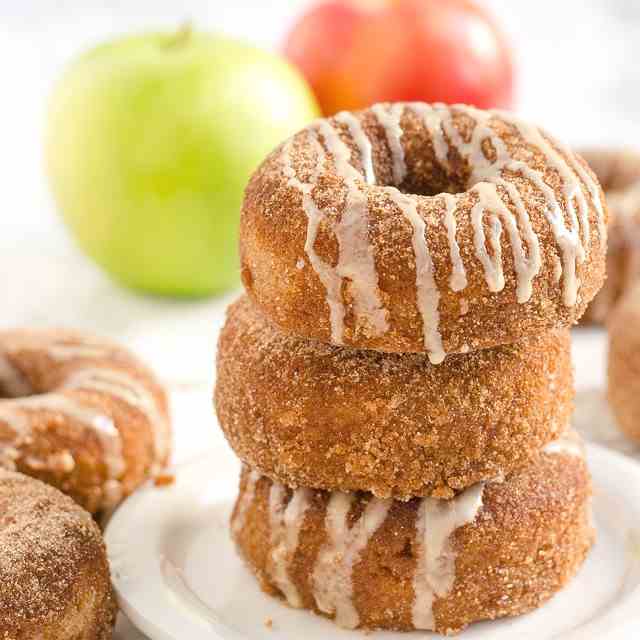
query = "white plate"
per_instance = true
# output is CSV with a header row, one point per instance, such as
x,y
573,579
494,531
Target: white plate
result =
x,y
178,576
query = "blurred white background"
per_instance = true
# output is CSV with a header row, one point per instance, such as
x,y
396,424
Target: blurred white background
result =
x,y
578,75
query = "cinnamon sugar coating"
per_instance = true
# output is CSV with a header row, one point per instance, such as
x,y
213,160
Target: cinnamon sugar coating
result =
x,y
530,536
53,566
354,261
311,414
623,384
80,413
619,174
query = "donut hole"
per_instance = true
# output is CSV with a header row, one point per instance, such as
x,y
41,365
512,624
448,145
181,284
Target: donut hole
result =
x,y
426,177
420,188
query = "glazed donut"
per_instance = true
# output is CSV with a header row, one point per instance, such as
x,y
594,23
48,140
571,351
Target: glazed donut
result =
x,y
80,413
410,228
310,414
624,363
53,566
619,174
497,549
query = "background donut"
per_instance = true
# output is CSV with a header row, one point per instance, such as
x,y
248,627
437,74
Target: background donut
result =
x,y
623,379
344,239
80,413
499,549
53,566
619,174
311,414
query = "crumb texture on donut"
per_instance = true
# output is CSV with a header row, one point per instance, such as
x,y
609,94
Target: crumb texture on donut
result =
x,y
80,413
497,549
54,575
425,228
312,414
623,383
619,174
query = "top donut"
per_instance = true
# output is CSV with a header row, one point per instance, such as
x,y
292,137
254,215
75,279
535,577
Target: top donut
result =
x,y
411,227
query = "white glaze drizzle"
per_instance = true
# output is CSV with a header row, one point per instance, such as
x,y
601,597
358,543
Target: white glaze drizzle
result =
x,y
330,279
458,277
248,495
573,249
122,385
438,120
436,522
332,576
485,174
428,295
557,269
355,259
362,141
389,118
286,521
433,122
592,187
435,573
492,263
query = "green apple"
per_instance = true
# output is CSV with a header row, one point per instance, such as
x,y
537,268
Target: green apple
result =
x,y
150,141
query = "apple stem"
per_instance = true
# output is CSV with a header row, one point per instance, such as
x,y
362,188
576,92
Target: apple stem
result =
x,y
180,37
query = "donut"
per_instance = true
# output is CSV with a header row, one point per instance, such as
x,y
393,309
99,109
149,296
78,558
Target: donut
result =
x,y
311,414
53,566
619,174
616,169
497,549
623,368
411,227
81,414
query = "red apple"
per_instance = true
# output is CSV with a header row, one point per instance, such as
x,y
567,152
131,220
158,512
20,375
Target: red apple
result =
x,y
355,53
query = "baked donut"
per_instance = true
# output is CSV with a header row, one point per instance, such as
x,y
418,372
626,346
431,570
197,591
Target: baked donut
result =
x,y
623,379
311,414
497,549
81,414
619,174
411,227
53,566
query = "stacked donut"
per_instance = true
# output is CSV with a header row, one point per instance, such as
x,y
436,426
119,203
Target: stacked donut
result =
x,y
397,382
